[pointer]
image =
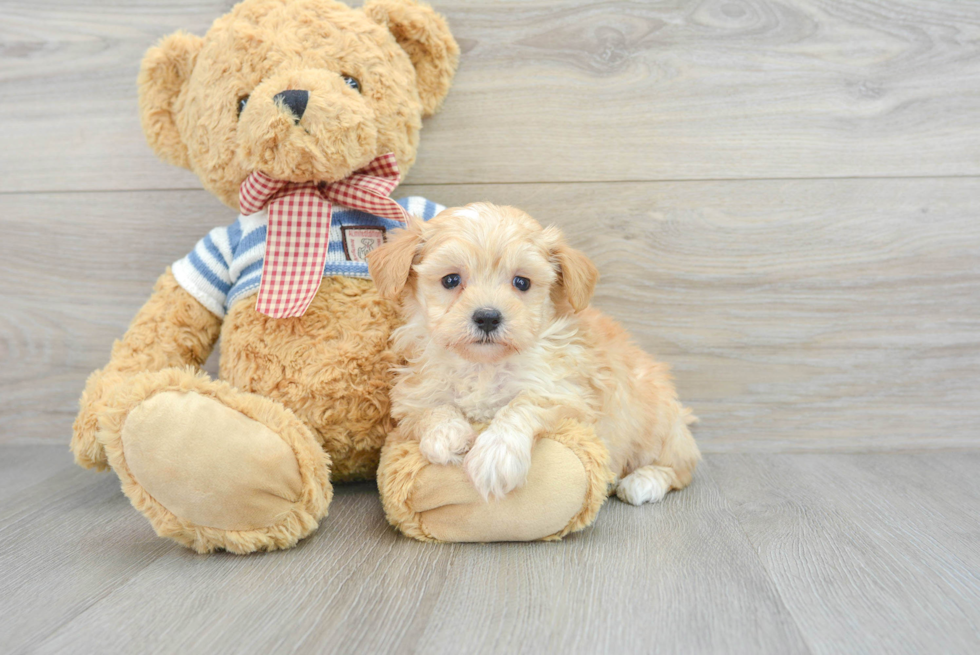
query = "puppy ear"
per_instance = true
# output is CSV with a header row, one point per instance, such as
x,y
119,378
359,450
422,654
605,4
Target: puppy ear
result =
x,y
391,264
425,36
577,275
163,74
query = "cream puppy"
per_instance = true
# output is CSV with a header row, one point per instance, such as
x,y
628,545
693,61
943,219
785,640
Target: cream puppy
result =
x,y
499,332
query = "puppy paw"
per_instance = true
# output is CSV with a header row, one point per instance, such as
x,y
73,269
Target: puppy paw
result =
x,y
498,462
447,441
648,484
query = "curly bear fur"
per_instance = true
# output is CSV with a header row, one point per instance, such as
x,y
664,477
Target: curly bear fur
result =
x,y
334,368
401,52
245,463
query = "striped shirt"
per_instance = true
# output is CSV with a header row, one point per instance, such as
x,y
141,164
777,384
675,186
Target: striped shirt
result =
x,y
226,265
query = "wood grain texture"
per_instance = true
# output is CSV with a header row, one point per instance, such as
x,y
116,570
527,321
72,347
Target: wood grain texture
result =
x,y
871,553
798,314
354,587
669,578
805,319
59,321
558,91
66,541
782,553
681,575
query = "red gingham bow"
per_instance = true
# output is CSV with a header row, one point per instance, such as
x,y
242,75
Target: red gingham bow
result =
x,y
299,228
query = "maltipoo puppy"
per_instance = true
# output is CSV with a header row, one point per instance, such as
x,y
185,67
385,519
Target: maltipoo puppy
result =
x,y
499,333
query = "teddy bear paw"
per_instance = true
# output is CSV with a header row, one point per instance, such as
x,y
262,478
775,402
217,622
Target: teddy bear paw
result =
x,y
212,467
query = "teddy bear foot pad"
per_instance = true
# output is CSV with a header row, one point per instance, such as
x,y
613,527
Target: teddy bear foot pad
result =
x,y
452,510
567,483
180,465
215,468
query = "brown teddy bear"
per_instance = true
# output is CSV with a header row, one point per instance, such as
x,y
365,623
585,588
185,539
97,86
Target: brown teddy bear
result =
x,y
303,115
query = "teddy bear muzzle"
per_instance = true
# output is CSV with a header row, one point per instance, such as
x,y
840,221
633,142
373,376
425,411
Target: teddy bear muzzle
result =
x,y
307,125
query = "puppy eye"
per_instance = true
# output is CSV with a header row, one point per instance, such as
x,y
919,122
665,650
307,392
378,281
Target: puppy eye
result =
x,y
352,82
241,104
451,281
522,283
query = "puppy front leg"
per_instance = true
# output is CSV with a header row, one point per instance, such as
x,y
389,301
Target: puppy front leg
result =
x,y
501,456
444,434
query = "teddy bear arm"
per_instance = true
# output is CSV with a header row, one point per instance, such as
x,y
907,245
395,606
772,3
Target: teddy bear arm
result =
x,y
567,483
171,330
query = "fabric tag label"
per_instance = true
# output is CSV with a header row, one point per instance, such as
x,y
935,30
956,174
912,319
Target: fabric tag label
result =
x,y
359,240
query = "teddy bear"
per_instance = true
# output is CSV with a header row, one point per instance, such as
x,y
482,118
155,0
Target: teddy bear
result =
x,y
303,116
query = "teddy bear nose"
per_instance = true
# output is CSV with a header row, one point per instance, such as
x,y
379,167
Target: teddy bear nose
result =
x,y
294,99
487,319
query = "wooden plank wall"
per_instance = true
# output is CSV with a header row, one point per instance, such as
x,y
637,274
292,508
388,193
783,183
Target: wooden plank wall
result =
x,y
782,196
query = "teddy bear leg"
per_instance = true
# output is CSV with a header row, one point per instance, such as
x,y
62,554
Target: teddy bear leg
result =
x,y
212,467
567,484
172,329
85,446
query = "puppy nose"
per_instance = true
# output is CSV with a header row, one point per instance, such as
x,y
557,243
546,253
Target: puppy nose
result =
x,y
295,100
487,319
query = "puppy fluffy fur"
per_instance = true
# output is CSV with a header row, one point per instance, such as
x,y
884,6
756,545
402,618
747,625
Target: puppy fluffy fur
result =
x,y
552,356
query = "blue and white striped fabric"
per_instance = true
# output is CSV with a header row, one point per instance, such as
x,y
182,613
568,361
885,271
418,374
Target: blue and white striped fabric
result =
x,y
226,265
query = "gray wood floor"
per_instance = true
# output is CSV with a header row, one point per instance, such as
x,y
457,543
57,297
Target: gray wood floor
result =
x,y
775,553
783,197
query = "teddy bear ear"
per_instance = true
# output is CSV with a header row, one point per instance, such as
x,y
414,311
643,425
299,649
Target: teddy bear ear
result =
x,y
165,70
425,36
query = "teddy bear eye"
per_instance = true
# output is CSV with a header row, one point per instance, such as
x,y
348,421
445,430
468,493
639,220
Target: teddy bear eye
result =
x,y
241,104
352,82
521,283
451,281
